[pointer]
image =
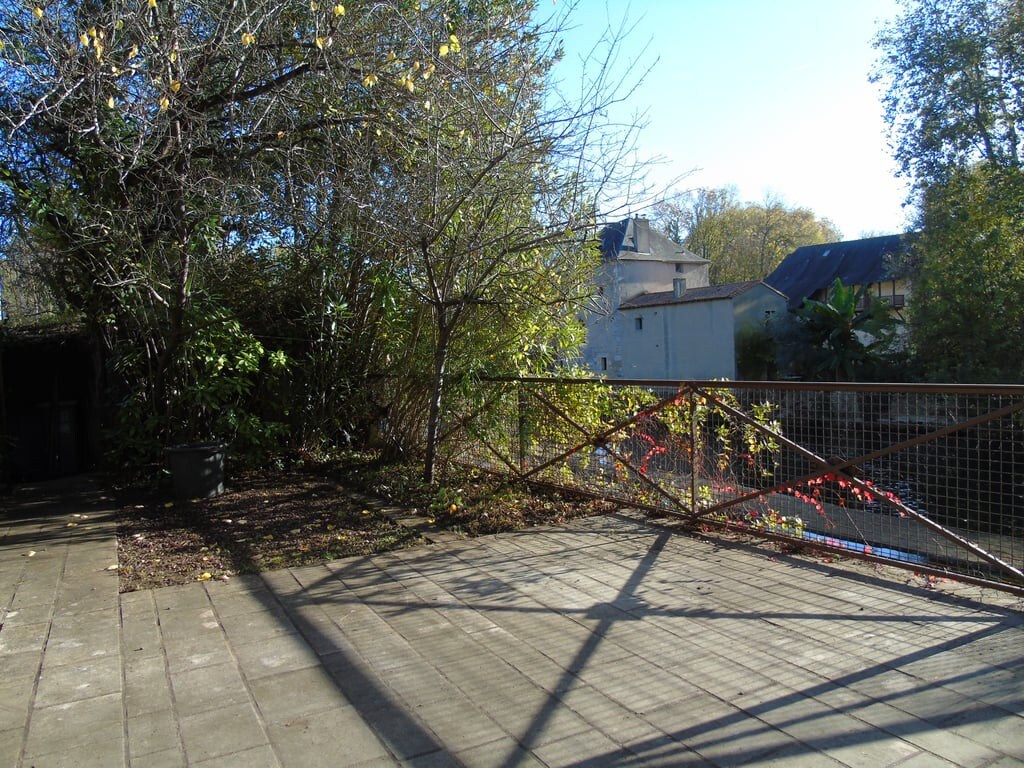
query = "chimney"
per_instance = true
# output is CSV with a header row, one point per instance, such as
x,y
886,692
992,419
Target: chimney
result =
x,y
642,235
679,287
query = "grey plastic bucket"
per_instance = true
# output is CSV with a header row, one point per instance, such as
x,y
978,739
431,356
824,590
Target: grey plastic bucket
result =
x,y
197,470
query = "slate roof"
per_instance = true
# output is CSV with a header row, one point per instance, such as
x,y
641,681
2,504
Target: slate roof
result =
x,y
634,239
855,262
709,293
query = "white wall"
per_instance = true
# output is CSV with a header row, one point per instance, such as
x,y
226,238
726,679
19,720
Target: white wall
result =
x,y
679,341
622,280
749,308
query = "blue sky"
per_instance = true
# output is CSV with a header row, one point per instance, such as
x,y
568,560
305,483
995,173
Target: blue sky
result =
x,y
771,96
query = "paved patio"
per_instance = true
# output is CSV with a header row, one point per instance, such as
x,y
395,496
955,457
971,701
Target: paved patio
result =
x,y
604,642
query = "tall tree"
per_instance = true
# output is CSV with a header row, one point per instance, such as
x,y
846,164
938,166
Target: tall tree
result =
x,y
966,316
135,134
954,77
744,241
495,251
384,187
954,91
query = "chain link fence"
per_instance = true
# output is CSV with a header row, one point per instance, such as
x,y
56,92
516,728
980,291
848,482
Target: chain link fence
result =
x,y
926,477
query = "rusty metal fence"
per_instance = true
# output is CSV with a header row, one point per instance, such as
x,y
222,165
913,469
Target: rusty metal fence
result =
x,y
930,478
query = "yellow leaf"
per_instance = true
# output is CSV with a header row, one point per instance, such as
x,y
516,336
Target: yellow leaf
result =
x,y
314,7
38,12
83,39
248,38
320,42
152,3
174,56
99,50
339,10
366,511
426,105
110,102
133,52
370,80
164,103
443,50
410,86
204,577
175,86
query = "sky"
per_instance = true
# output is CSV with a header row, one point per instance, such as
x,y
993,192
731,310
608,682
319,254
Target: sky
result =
x,y
769,96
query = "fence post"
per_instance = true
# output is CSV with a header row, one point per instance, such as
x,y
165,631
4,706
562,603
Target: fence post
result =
x,y
523,436
693,450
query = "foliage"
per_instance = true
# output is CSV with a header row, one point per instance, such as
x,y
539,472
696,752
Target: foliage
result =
x,y
849,330
377,189
755,353
744,241
954,77
966,311
954,72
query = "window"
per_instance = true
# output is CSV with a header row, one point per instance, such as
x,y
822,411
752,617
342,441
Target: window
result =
x,y
638,323
679,268
604,363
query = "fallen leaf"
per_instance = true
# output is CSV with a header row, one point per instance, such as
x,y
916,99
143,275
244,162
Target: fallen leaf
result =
x,y
30,553
204,577
111,568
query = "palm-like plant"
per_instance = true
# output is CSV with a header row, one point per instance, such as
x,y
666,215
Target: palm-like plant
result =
x,y
850,328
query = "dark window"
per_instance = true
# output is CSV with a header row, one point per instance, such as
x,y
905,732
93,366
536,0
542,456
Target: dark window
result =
x,y
638,323
604,363
679,268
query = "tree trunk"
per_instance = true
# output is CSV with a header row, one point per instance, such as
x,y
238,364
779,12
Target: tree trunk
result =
x,y
436,394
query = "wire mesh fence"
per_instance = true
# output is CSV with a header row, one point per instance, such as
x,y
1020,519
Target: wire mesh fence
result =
x,y
927,477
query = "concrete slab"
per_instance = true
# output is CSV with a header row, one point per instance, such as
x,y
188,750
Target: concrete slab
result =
x,y
605,642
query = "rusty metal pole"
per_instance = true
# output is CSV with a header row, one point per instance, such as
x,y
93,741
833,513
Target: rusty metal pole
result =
x,y
523,436
693,451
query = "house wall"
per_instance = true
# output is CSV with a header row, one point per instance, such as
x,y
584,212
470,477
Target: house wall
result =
x,y
679,341
750,307
634,277
619,281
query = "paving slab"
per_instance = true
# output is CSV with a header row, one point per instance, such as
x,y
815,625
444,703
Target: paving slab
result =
x,y
609,641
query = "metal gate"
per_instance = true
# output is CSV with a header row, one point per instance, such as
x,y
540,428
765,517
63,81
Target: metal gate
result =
x,y
930,478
